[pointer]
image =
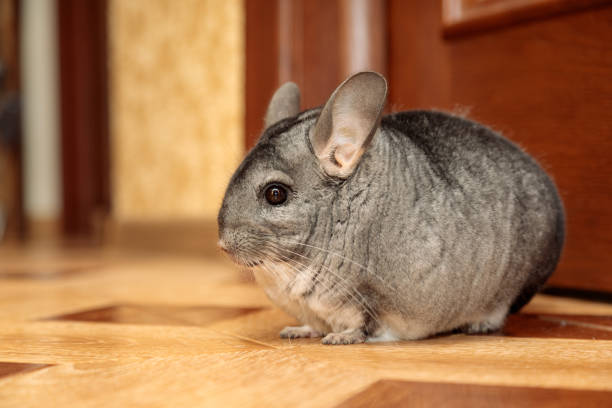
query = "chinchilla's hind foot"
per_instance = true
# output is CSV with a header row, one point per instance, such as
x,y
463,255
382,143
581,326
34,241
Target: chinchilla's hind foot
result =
x,y
492,323
299,332
481,328
346,337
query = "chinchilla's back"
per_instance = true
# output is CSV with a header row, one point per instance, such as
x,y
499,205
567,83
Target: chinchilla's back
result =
x,y
476,185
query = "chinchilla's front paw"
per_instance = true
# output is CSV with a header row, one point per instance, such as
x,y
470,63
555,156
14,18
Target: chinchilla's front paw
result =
x,y
299,332
346,337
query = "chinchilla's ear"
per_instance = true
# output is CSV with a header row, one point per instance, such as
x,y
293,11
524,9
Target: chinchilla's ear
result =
x,y
348,122
284,103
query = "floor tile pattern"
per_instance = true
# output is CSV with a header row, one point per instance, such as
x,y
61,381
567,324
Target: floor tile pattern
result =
x,y
389,393
7,369
94,328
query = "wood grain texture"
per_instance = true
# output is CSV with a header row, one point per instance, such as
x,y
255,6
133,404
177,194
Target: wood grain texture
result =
x,y
39,274
157,314
544,304
7,369
261,73
559,326
83,58
544,85
311,43
176,333
467,16
11,160
390,393
289,40
9,45
362,36
321,52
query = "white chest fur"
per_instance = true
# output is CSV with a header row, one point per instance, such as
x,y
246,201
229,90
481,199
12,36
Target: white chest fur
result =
x,y
287,287
296,293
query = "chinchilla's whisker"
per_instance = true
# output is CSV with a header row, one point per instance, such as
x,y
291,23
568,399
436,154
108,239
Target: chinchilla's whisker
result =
x,y
345,293
354,296
357,297
283,252
271,272
371,273
333,253
276,274
363,301
294,265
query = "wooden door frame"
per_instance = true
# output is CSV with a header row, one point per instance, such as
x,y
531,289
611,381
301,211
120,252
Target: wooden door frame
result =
x,y
85,137
16,227
311,43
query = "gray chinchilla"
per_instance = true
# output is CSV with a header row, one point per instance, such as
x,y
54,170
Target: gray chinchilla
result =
x,y
400,227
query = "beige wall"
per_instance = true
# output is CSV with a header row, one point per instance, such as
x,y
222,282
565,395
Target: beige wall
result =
x,y
176,105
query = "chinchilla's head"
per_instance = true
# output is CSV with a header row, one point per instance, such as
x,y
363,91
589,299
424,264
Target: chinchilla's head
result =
x,y
277,199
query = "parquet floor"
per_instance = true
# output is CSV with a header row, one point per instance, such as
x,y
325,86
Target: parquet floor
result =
x,y
101,328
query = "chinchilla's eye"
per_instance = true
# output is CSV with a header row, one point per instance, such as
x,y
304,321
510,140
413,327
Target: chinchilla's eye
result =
x,y
275,194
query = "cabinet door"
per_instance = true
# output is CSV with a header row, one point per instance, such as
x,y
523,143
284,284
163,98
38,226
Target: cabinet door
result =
x,y
541,73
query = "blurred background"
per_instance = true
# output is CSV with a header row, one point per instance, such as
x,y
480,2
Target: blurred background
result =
x,y
121,121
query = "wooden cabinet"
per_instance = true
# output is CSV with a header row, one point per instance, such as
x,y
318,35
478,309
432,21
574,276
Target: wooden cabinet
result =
x,y
544,81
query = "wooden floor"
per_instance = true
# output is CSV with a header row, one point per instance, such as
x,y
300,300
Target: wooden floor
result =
x,y
81,328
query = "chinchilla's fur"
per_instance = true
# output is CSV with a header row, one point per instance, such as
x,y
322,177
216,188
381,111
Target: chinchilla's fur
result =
x,y
397,227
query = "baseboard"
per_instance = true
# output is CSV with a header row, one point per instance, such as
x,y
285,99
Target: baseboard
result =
x,y
582,294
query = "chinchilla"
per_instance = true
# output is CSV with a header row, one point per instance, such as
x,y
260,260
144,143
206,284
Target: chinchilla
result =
x,y
365,227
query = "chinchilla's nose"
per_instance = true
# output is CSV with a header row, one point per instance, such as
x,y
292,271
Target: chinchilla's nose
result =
x,y
224,242
228,239
232,239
